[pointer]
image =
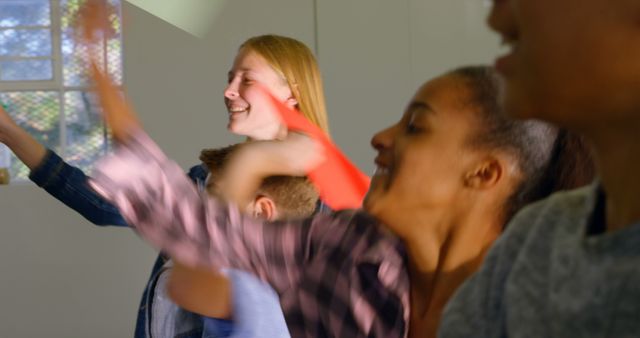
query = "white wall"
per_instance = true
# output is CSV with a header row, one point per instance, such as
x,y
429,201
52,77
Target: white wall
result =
x,y
62,277
365,56
374,54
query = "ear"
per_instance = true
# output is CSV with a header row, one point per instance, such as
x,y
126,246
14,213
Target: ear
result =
x,y
484,174
265,208
291,102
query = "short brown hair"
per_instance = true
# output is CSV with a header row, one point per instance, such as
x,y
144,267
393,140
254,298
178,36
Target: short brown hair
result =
x,y
294,196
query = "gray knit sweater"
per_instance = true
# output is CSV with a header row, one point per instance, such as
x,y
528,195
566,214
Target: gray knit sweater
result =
x,y
547,276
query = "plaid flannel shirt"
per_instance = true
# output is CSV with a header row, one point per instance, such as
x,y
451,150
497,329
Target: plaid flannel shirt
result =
x,y
337,275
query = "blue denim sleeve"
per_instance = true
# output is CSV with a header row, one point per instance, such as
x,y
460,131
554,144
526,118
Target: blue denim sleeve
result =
x,y
69,185
198,174
217,328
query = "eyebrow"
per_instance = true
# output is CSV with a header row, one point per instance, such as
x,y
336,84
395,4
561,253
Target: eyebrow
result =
x,y
419,107
231,72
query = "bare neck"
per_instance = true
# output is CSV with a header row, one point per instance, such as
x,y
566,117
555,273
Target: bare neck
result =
x,y
268,134
617,156
439,263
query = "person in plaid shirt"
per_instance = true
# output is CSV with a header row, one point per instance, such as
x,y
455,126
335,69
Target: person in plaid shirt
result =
x,y
442,192
332,272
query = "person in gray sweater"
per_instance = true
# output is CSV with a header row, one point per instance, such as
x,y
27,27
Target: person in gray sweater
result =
x,y
567,266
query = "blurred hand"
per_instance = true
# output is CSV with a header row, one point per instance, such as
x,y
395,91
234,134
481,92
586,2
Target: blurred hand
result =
x,y
92,23
93,26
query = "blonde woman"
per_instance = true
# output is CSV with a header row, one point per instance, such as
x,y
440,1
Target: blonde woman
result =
x,y
289,70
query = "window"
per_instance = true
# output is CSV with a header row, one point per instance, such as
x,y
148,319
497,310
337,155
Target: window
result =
x,y
43,83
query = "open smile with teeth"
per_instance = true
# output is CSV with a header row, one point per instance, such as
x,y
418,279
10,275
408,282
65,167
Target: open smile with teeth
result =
x,y
381,178
237,110
380,171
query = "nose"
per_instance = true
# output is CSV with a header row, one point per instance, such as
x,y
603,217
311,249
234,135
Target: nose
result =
x,y
231,92
384,138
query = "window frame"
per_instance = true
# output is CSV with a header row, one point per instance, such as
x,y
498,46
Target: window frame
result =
x,y
57,83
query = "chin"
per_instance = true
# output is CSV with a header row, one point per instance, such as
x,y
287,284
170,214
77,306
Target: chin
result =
x,y
366,203
517,104
373,201
375,195
236,129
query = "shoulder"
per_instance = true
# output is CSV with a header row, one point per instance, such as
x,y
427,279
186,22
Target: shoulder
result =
x,y
537,226
351,227
360,238
479,304
350,234
560,209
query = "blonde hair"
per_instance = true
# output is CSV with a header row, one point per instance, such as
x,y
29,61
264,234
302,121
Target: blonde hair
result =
x,y
296,64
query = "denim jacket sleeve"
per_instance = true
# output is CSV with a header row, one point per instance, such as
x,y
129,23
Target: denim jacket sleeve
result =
x,y
69,185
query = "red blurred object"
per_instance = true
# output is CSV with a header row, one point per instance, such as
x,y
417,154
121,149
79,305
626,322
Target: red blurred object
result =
x,y
340,183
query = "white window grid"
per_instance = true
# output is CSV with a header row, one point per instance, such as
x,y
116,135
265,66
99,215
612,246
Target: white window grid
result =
x,y
56,83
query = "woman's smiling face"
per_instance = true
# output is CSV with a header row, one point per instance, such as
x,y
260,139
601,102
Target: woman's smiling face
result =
x,y
422,159
248,114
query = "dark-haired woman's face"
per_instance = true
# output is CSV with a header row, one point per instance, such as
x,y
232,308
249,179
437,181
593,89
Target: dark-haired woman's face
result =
x,y
423,158
573,62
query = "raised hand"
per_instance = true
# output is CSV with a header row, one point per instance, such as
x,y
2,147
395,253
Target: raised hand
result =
x,y
93,26
92,23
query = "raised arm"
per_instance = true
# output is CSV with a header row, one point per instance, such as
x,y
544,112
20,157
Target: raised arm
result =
x,y
27,149
66,183
339,182
154,196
